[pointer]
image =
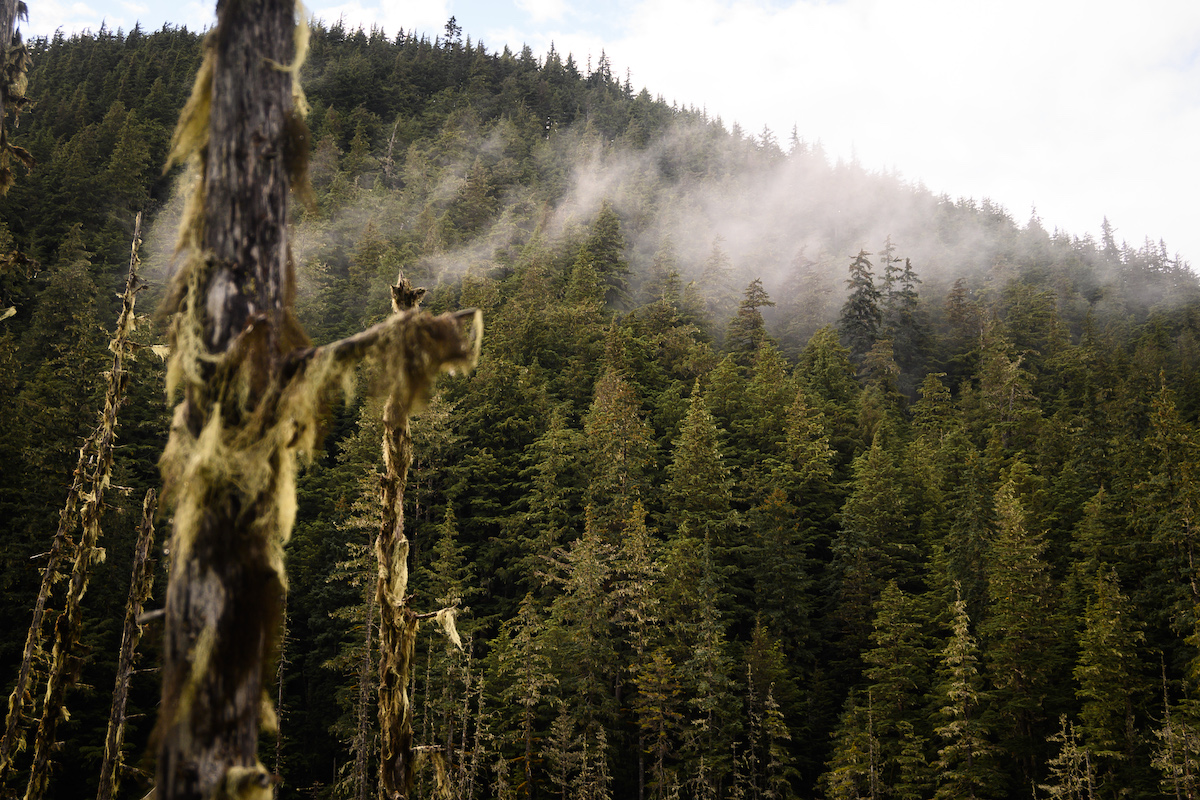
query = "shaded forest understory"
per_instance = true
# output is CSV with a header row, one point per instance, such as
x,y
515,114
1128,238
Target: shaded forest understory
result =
x,y
775,478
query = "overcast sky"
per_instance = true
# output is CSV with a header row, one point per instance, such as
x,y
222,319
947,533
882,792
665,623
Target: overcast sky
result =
x,y
1082,108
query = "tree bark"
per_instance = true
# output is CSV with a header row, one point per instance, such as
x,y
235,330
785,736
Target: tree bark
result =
x,y
140,585
14,67
226,588
60,547
397,620
251,393
64,662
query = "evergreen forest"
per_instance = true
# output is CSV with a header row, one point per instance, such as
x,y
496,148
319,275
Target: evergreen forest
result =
x,y
776,476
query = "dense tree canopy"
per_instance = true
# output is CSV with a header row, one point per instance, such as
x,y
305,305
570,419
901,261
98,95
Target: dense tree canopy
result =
x,y
722,517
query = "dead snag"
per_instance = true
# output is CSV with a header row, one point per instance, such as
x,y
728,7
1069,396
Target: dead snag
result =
x,y
88,487
398,622
251,390
60,547
140,585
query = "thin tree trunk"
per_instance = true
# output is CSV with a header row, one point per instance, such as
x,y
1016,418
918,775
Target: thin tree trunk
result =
x,y
140,586
362,739
397,621
279,670
60,547
64,663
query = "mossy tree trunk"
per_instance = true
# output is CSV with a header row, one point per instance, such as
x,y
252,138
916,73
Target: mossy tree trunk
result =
x,y
92,479
226,590
251,391
14,65
140,585
397,619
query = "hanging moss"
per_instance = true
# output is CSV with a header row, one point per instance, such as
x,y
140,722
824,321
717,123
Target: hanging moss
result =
x,y
140,585
64,663
252,390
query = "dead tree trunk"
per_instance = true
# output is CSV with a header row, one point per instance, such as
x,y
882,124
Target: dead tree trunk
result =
x,y
60,547
362,736
140,585
397,621
251,389
225,470
64,662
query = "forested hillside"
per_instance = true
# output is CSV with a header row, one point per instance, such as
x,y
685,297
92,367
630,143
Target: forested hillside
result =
x,y
776,477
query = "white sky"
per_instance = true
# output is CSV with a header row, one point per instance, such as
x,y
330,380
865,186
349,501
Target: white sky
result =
x,y
1084,108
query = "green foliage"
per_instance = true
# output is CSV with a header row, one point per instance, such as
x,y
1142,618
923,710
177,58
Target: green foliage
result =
x,y
883,557
861,314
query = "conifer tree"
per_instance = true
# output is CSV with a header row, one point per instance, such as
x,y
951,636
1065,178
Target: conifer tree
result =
x,y
1072,774
1177,757
582,620
1169,501
698,490
861,315
877,543
620,449
663,283
563,753
716,284
827,377
1021,631
853,771
1007,404
807,304
769,766
636,608
555,497
707,681
910,332
659,709
881,402
1110,685
525,664
746,331
897,674
965,767
971,510
604,250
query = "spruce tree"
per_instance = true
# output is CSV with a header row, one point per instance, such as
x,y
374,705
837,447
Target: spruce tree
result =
x,y
965,767
526,668
619,451
747,331
897,668
698,492
1111,686
1021,631
861,314
877,544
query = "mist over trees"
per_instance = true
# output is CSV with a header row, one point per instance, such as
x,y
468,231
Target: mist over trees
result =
x,y
775,478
